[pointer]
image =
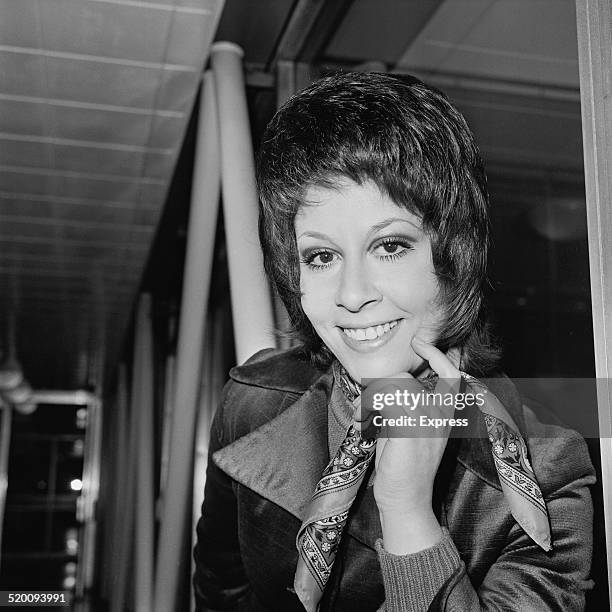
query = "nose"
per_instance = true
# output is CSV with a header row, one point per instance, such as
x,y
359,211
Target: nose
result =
x,y
356,288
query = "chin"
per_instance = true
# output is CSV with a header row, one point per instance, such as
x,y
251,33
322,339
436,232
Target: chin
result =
x,y
380,368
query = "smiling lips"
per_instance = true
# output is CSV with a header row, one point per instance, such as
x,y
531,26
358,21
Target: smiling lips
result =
x,y
369,333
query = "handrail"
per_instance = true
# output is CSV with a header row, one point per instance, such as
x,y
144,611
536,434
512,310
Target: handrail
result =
x,y
5,443
119,550
64,398
142,404
196,284
252,312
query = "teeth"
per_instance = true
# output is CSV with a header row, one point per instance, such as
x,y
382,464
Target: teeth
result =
x,y
369,333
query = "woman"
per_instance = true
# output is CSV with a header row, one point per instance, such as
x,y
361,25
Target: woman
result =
x,y
374,230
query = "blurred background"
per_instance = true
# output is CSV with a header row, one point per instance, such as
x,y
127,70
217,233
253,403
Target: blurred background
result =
x,y
115,346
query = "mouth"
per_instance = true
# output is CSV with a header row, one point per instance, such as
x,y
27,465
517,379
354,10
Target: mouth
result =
x,y
364,334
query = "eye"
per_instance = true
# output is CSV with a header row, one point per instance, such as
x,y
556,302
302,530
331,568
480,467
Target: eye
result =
x,y
318,259
392,248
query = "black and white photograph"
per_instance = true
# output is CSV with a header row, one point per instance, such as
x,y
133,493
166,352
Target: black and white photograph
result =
x,y
306,305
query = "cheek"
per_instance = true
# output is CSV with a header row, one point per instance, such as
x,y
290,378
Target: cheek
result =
x,y
308,306
317,296
417,293
432,319
313,303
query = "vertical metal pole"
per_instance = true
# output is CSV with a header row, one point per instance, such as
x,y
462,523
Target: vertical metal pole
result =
x,y
115,561
200,457
171,560
142,403
5,443
252,310
166,428
210,394
122,594
594,28
91,485
109,490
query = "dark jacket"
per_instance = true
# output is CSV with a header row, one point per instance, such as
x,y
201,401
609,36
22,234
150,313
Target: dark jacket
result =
x,y
269,447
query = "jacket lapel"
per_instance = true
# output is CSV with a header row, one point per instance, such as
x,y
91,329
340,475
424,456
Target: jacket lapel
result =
x,y
284,458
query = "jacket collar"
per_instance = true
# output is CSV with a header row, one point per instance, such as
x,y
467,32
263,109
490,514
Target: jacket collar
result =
x,y
283,459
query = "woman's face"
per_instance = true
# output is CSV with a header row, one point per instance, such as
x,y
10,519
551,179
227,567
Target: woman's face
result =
x,y
367,278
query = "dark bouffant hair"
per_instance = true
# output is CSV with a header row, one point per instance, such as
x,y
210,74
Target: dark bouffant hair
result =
x,y
408,139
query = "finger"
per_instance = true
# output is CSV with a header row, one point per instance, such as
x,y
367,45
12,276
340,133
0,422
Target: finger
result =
x,y
393,395
449,381
362,419
438,361
386,383
383,386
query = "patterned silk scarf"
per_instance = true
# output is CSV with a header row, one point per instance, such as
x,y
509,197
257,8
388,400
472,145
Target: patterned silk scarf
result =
x,y
327,514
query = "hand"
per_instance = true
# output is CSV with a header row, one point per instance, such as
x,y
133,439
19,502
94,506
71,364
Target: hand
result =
x,y
406,466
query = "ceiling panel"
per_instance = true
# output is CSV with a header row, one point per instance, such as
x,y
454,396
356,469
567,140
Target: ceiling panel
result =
x,y
22,117
102,83
112,126
523,130
157,165
22,225
71,184
107,30
114,160
185,40
379,29
16,153
190,7
59,267
164,133
95,96
22,74
20,182
542,30
175,91
532,42
19,27
75,208
151,194
87,251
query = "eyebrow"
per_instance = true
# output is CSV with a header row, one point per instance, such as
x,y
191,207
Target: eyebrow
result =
x,y
318,235
378,226
375,228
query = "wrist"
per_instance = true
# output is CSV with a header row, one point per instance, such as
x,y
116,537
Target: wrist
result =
x,y
406,532
412,505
